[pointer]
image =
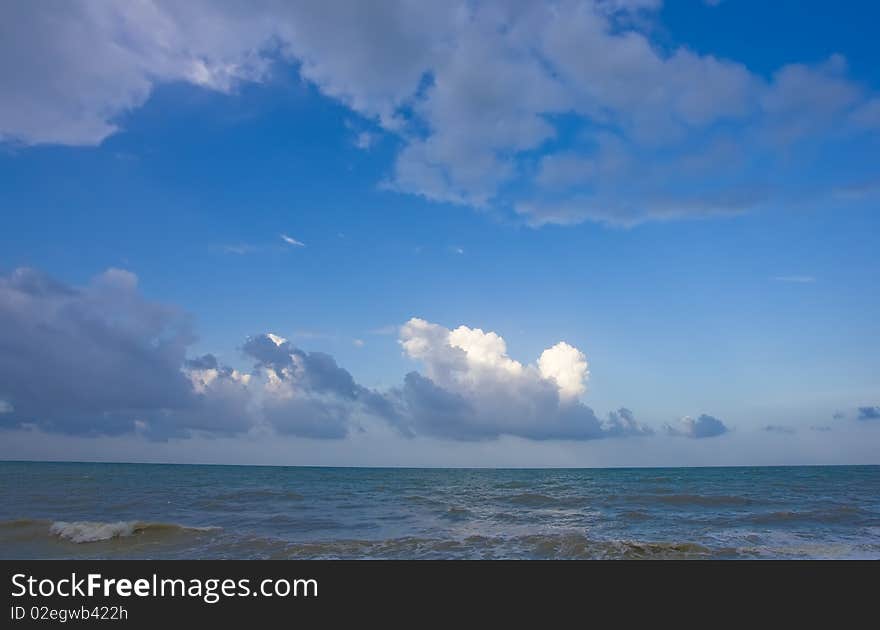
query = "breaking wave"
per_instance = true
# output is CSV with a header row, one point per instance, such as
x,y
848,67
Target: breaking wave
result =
x,y
96,531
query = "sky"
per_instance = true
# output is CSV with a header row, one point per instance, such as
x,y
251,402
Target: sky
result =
x,y
596,233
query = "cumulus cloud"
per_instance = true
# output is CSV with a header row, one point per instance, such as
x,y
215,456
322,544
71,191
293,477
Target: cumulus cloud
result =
x,y
76,358
305,393
869,413
101,359
571,101
69,71
702,427
472,389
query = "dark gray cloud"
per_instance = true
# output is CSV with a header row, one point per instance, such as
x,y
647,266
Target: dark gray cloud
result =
x,y
204,362
869,413
622,423
704,426
775,428
307,393
89,359
101,359
422,407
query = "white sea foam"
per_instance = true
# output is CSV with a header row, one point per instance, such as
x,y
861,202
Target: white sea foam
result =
x,y
95,531
92,531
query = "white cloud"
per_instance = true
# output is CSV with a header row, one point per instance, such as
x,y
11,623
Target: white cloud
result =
x,y
292,241
567,366
473,91
101,359
469,358
69,71
472,389
276,339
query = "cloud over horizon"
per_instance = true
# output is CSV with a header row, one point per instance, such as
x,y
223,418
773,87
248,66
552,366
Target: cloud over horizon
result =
x,y
554,114
869,413
472,389
102,360
704,426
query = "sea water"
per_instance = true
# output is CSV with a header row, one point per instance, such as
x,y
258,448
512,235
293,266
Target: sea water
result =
x,y
83,510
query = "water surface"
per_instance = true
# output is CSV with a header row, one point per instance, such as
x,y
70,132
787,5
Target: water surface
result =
x,y
80,510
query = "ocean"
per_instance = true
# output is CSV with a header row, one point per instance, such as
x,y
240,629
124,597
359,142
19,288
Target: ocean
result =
x,y
84,510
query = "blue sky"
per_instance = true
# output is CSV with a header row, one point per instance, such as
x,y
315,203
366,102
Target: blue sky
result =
x,y
685,193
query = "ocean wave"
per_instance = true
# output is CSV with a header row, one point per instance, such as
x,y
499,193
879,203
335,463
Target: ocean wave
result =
x,y
95,531
258,494
561,546
534,499
840,514
512,484
580,547
19,523
457,513
706,500
423,500
635,515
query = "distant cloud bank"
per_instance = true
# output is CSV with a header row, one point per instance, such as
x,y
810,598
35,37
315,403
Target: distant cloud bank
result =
x,y
702,427
869,413
101,359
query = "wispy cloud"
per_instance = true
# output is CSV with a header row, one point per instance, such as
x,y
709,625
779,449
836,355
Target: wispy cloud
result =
x,y
795,279
239,249
292,241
